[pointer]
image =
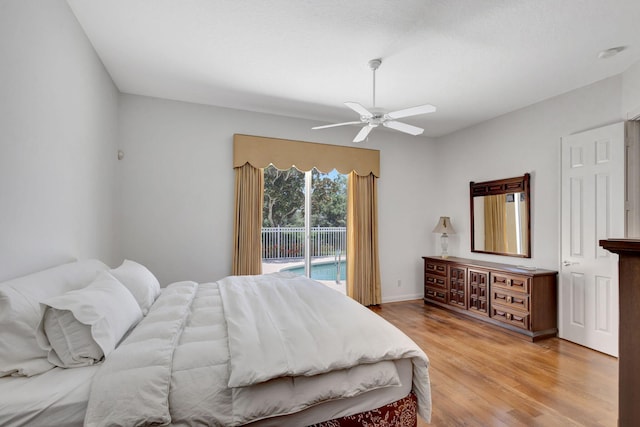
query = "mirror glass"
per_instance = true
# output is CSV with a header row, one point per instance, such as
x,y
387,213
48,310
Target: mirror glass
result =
x,y
500,222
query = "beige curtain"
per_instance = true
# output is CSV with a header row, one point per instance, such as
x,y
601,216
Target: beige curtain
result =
x,y
510,227
495,218
247,227
363,270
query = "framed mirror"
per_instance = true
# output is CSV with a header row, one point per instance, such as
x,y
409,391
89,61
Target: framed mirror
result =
x,y
501,217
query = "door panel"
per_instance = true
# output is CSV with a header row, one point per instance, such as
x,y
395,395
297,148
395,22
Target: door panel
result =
x,y
593,171
577,299
603,203
603,292
575,217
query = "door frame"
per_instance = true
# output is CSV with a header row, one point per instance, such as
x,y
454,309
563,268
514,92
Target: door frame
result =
x,y
632,178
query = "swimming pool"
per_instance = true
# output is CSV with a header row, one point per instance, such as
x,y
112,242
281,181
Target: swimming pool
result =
x,y
322,270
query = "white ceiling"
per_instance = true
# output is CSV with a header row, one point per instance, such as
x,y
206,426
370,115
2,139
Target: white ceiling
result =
x,y
473,59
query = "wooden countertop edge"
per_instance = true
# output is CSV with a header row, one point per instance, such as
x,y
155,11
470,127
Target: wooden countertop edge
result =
x,y
493,265
621,245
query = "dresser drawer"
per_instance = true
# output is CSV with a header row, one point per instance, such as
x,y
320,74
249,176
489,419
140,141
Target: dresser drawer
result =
x,y
434,281
435,294
435,268
515,300
511,282
511,317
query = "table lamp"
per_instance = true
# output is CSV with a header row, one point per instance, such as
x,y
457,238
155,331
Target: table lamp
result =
x,y
444,226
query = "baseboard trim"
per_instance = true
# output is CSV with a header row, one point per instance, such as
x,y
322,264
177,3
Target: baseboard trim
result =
x,y
398,298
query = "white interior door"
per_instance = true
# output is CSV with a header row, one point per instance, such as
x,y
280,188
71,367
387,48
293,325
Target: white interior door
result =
x,y
593,173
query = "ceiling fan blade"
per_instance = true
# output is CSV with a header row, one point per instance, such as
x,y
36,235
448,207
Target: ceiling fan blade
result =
x,y
359,109
362,135
337,124
413,111
403,127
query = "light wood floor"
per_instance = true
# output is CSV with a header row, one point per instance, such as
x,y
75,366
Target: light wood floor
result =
x,y
483,376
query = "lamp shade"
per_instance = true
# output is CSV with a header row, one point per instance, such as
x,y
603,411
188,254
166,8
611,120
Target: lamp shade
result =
x,y
444,226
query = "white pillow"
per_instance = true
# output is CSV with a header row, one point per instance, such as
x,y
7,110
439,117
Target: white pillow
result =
x,y
106,306
20,313
70,343
142,284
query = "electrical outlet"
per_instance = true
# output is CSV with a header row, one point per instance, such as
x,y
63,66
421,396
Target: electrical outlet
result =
x,y
399,282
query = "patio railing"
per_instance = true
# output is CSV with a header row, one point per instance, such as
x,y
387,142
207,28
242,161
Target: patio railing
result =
x,y
288,242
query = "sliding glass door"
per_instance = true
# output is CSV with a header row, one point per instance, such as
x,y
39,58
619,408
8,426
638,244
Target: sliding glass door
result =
x,y
304,224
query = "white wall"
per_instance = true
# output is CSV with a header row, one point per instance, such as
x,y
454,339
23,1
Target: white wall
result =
x,y
58,112
177,189
527,140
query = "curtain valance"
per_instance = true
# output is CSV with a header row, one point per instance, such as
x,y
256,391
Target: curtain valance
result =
x,y
260,152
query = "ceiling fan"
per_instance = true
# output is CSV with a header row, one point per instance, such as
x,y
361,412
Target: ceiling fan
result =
x,y
374,117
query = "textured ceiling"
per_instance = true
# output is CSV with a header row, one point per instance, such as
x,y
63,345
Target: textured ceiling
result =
x,y
473,60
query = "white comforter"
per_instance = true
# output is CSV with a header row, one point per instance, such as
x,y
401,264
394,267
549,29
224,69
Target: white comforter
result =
x,y
248,348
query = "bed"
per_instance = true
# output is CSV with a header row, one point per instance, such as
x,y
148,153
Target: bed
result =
x,y
269,350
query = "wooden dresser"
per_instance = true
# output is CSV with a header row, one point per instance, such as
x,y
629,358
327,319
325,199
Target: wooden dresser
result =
x,y
521,300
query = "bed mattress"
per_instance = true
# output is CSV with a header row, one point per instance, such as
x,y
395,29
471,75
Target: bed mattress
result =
x,y
55,398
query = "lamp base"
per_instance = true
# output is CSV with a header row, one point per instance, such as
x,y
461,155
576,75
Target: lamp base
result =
x,y
444,242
